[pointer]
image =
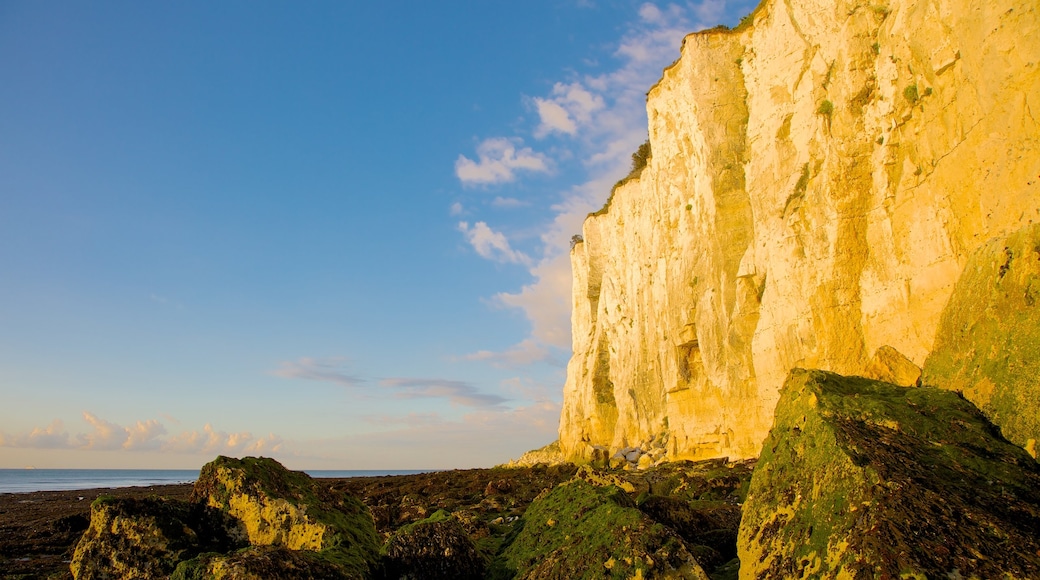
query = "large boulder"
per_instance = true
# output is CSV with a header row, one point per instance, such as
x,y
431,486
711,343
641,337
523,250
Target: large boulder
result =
x,y
988,343
433,549
262,563
146,538
579,530
865,479
283,508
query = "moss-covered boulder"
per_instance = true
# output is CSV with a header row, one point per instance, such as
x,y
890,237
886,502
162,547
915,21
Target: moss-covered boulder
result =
x,y
433,549
579,530
262,563
146,538
864,479
283,508
988,342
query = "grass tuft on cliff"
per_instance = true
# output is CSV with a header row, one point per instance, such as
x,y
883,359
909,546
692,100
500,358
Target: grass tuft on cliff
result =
x,y
640,158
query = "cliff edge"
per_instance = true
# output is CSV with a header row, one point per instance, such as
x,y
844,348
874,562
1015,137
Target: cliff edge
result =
x,y
819,178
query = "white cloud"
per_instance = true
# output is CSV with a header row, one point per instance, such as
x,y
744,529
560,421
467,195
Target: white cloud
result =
x,y
142,436
53,436
554,118
570,106
457,392
211,441
491,244
526,352
498,159
508,202
456,209
317,369
106,435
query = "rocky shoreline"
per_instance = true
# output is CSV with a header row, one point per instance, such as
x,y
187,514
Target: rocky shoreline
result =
x,y
39,531
858,478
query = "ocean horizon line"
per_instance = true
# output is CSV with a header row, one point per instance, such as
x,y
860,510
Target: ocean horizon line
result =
x,y
22,480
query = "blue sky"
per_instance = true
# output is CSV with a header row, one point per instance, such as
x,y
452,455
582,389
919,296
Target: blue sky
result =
x,y
333,233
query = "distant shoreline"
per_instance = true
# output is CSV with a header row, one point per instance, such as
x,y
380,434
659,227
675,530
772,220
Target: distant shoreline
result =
x,y
44,480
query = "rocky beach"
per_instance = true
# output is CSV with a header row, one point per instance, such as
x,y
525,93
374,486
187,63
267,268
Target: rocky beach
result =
x,y
806,344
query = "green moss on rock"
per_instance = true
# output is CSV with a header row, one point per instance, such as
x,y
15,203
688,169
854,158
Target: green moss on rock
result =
x,y
146,538
435,548
262,563
579,530
279,507
864,479
988,342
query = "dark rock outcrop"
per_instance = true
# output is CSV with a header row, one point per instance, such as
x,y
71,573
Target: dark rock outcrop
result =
x,y
437,548
146,538
297,529
262,563
860,478
278,507
579,530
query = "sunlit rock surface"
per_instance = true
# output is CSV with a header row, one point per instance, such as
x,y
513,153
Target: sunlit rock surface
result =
x,y
988,345
819,179
146,538
278,507
864,479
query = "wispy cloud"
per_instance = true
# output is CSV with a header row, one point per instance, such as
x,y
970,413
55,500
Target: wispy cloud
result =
x,y
433,441
491,244
508,202
457,392
498,160
319,369
526,352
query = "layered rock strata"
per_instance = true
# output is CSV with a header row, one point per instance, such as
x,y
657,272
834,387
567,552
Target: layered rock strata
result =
x,y
819,178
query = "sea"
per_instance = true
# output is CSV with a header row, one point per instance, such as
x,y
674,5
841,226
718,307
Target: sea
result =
x,y
28,480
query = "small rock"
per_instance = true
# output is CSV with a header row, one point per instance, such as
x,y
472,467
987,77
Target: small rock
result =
x,y
645,462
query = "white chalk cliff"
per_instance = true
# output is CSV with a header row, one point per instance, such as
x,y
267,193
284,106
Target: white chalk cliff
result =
x,y
819,177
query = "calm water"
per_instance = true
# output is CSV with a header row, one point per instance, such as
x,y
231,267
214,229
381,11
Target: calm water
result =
x,y
25,480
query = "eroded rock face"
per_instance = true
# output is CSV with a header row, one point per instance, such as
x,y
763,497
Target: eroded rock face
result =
x,y
579,530
860,478
988,345
278,507
146,538
818,181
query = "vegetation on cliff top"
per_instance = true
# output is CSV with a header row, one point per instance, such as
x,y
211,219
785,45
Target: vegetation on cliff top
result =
x,y
640,158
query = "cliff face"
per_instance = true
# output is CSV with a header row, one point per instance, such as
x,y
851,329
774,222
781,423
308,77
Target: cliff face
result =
x,y
818,181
